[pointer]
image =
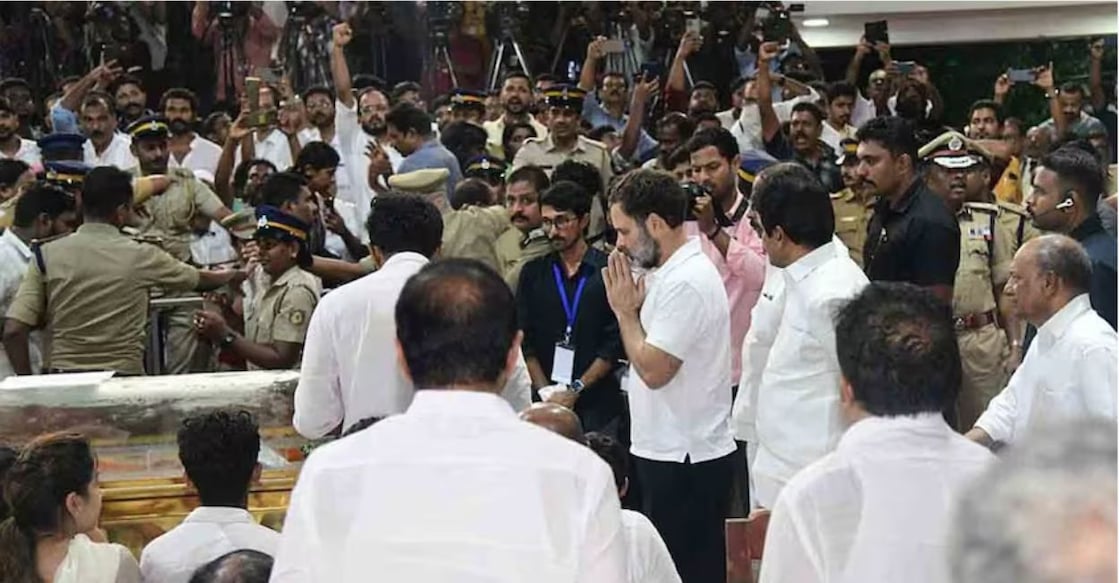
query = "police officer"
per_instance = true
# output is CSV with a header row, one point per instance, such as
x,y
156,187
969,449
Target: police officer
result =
x,y
468,105
525,240
169,218
563,142
276,324
853,205
958,170
491,170
90,289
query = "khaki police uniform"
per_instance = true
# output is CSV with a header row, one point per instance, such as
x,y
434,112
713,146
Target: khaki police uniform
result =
x,y
852,214
991,232
428,183
472,232
543,153
284,310
495,131
89,290
168,216
987,246
515,249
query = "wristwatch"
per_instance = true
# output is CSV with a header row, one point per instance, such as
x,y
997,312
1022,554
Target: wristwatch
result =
x,y
577,386
227,339
714,233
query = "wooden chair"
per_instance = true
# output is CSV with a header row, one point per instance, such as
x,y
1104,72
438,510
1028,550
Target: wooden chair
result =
x,y
745,544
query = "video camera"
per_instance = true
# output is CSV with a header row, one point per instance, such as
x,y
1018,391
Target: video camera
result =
x,y
694,190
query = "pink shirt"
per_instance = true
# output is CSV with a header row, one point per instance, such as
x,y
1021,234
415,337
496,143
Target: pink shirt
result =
x,y
743,272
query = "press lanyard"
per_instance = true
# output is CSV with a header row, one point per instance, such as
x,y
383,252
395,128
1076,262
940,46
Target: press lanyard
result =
x,y
570,307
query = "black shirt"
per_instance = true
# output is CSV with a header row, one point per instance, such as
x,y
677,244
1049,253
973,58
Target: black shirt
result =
x,y
595,334
916,242
1101,250
824,168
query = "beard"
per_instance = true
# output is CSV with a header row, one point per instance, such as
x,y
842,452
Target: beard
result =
x,y
374,128
647,251
179,127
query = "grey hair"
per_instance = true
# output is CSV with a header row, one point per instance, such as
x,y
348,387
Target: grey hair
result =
x,y
1053,494
241,566
1065,258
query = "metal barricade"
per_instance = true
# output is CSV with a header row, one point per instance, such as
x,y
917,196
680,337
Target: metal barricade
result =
x,y
155,356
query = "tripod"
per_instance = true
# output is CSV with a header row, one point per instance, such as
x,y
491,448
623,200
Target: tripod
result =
x,y
439,61
228,58
498,65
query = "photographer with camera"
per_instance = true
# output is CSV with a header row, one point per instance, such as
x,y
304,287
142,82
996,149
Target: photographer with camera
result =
x,y
241,35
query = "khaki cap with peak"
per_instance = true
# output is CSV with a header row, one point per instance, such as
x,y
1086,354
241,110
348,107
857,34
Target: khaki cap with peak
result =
x,y
954,150
420,181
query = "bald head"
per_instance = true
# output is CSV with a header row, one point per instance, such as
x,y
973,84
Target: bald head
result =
x,y
557,419
1065,258
1047,273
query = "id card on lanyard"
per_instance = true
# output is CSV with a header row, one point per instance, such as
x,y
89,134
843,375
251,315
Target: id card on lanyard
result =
x,y
563,362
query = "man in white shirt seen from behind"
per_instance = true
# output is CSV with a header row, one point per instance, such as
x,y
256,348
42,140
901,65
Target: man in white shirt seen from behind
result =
x,y
188,149
879,507
797,415
675,327
42,213
457,488
219,454
1069,371
349,371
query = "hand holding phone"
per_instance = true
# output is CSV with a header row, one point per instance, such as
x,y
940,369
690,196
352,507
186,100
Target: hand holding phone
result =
x,y
1021,75
876,32
613,46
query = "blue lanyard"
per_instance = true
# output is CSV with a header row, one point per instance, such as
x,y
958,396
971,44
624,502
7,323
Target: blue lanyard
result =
x,y
570,307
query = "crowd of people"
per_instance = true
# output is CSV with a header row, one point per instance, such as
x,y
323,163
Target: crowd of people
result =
x,y
814,301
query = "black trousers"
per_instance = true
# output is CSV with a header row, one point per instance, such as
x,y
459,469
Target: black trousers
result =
x,y
688,503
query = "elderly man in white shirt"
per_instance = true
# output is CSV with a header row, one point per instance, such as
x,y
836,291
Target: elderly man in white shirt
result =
x,y
879,507
675,327
351,337
1069,371
104,146
219,453
457,488
42,213
797,416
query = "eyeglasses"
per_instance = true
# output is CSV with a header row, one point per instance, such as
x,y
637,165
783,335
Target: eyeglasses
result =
x,y
559,222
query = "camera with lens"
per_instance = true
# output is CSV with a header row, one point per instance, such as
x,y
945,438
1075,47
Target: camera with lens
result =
x,y
227,10
441,16
692,191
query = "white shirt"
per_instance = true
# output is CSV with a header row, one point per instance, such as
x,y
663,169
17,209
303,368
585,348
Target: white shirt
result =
x,y
205,534
748,128
119,153
15,256
90,562
359,168
685,314
352,339
797,417
832,136
1069,371
273,147
455,489
648,560
28,153
878,508
213,247
203,155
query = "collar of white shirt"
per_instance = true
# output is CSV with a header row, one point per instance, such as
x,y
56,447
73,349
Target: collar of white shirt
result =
x,y
445,402
404,258
220,515
685,252
1057,324
872,432
803,267
16,243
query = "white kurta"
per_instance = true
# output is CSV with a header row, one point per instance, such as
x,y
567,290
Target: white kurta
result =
x,y
352,339
648,560
205,534
455,489
797,417
878,508
1069,371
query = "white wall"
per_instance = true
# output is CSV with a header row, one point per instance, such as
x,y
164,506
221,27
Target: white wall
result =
x,y
1027,22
